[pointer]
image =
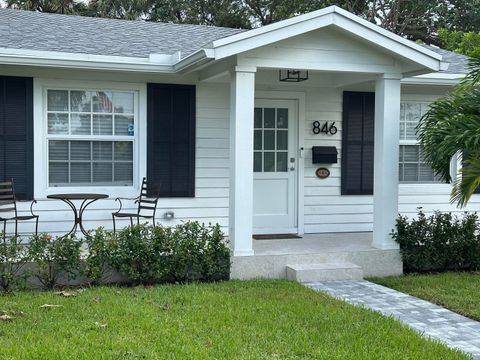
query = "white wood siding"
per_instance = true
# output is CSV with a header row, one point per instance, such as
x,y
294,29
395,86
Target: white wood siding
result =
x,y
210,204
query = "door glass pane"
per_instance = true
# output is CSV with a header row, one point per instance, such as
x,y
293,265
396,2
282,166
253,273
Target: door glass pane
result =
x,y
257,140
257,161
282,140
281,161
257,118
269,138
282,118
269,118
269,162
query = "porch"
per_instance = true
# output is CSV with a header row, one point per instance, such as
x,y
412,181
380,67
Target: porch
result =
x,y
271,257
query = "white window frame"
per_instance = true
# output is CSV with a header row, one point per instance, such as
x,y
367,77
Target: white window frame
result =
x,y
41,184
416,143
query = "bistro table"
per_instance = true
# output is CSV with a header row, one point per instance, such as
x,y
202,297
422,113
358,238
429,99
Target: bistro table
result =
x,y
86,198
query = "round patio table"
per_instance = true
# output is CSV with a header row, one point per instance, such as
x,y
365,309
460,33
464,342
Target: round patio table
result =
x,y
69,199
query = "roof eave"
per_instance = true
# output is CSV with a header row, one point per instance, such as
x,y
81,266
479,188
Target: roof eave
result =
x,y
81,61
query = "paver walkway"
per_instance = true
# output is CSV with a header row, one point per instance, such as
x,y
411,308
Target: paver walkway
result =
x,y
429,319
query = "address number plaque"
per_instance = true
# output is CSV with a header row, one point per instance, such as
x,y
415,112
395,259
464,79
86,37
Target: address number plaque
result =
x,y
327,128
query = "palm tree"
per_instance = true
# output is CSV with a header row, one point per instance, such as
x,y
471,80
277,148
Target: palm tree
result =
x,y
452,126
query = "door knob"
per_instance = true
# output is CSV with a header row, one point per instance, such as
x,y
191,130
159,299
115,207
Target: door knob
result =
x,y
292,168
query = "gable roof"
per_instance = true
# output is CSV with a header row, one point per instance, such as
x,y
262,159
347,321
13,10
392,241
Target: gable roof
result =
x,y
53,40
458,63
29,30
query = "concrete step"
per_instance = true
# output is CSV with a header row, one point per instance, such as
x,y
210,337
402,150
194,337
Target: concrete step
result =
x,y
325,271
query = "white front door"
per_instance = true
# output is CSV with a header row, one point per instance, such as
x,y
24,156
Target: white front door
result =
x,y
274,166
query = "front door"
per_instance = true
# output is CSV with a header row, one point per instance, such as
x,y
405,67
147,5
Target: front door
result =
x,y
274,166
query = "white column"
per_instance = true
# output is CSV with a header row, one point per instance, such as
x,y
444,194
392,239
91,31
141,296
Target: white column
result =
x,y
242,102
385,191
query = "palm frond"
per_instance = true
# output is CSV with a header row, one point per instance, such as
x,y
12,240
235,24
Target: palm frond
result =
x,y
466,184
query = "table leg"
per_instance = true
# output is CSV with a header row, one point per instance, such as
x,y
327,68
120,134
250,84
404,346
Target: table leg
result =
x,y
75,213
83,206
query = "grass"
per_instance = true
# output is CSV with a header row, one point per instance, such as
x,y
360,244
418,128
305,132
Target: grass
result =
x,y
457,291
230,320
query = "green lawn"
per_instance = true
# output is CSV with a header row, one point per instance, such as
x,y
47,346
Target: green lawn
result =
x,y
459,292
230,320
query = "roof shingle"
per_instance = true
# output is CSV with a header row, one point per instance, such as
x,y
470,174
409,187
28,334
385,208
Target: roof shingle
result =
x,y
77,34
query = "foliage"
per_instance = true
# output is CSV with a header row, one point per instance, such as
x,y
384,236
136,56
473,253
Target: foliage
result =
x,y
451,126
54,258
13,258
99,255
225,320
188,252
439,242
467,43
416,20
134,255
457,291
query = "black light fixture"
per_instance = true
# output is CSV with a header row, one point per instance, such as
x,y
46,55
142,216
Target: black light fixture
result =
x,y
291,75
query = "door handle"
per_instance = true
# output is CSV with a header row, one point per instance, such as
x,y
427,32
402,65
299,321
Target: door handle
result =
x,y
292,168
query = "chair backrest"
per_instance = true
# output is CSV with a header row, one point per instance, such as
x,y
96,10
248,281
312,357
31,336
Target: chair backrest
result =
x,y
146,206
7,197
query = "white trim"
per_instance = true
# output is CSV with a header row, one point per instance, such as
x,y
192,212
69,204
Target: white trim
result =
x,y
233,45
434,79
332,15
299,98
41,188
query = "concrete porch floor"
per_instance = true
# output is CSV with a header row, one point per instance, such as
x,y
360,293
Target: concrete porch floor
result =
x,y
271,257
315,243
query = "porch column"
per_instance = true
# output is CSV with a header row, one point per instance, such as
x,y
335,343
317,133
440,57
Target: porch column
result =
x,y
242,102
385,191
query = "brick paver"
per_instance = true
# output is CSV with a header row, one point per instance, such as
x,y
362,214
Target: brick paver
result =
x,y
432,320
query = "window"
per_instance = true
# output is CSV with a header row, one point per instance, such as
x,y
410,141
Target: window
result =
x,y
270,140
413,168
90,137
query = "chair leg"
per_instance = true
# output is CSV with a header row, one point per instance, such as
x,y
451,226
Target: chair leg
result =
x,y
4,230
131,221
113,219
16,228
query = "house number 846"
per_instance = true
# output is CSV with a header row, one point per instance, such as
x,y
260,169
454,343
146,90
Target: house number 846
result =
x,y
327,128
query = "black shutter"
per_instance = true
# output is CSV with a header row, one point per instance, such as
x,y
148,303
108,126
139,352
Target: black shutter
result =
x,y
171,140
16,134
357,143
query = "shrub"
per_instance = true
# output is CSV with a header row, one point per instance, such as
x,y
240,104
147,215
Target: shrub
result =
x,y
135,255
54,258
13,257
438,243
188,252
100,246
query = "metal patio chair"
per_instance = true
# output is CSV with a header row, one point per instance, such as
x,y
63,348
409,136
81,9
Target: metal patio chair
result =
x,y
8,204
146,207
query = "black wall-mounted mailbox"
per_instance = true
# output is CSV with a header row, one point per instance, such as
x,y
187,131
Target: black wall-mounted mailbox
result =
x,y
324,154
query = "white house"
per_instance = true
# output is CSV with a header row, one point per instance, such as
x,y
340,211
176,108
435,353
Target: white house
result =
x,y
94,105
